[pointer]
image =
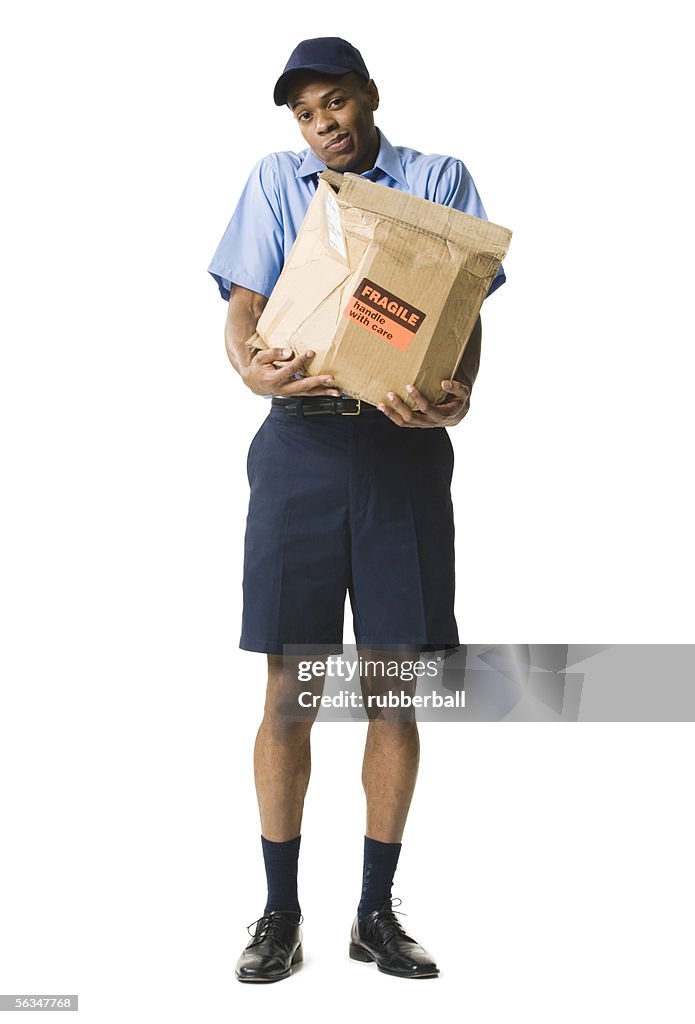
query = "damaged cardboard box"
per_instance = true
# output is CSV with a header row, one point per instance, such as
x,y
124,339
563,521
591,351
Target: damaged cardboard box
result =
x,y
383,286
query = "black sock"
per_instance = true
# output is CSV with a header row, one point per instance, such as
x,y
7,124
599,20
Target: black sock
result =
x,y
380,860
281,861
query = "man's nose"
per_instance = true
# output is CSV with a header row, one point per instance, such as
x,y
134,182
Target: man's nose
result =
x,y
325,122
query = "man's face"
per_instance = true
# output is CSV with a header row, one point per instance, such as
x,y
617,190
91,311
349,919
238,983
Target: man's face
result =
x,y
336,117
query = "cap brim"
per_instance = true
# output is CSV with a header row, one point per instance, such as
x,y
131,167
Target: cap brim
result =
x,y
280,91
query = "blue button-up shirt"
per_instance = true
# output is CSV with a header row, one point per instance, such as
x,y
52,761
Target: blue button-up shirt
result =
x,y
281,186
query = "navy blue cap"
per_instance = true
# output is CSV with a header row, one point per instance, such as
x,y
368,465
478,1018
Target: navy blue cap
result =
x,y
329,55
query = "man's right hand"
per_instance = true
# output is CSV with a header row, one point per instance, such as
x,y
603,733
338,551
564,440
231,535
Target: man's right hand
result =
x,y
257,370
265,379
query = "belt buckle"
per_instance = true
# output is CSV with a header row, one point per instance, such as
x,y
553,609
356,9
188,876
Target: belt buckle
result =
x,y
359,406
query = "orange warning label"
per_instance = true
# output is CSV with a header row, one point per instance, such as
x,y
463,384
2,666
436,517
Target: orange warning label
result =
x,y
384,314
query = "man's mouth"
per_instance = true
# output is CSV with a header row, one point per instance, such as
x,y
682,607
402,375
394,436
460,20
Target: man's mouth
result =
x,y
339,141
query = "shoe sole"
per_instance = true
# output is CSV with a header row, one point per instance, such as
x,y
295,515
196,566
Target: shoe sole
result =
x,y
363,956
297,958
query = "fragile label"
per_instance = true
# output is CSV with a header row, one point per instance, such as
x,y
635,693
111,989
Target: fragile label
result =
x,y
335,228
383,314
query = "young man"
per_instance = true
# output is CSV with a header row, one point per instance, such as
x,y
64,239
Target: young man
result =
x,y
345,498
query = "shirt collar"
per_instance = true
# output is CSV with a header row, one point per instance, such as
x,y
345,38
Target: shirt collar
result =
x,y
387,160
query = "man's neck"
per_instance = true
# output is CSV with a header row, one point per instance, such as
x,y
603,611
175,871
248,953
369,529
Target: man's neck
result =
x,y
373,154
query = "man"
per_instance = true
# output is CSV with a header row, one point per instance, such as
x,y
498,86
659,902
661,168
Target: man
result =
x,y
344,498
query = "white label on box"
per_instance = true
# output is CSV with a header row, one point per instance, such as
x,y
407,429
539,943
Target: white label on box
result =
x,y
335,227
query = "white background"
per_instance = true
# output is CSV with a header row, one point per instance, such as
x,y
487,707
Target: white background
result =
x,y
546,868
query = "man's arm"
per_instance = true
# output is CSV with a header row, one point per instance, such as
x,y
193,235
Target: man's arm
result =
x,y
243,313
256,367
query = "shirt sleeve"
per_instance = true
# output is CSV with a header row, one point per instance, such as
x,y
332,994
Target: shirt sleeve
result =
x,y
251,252
456,188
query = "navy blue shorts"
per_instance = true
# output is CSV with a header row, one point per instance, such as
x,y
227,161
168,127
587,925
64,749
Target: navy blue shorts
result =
x,y
348,504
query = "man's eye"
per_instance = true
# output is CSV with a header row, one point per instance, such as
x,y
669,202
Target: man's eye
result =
x,y
305,115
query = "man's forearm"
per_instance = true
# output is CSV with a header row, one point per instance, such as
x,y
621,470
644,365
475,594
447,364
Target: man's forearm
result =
x,y
470,361
237,332
243,314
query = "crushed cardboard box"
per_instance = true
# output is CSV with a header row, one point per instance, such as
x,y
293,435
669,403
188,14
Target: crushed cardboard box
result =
x,y
383,286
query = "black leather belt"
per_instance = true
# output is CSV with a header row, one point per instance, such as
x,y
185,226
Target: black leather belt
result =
x,y
323,405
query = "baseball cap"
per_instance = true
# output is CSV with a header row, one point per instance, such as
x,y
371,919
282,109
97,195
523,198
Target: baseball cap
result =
x,y
329,55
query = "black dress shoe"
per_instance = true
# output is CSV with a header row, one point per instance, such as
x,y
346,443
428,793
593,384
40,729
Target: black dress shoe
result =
x,y
380,938
276,945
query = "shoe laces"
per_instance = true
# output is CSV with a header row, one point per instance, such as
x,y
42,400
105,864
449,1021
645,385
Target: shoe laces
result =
x,y
388,922
265,924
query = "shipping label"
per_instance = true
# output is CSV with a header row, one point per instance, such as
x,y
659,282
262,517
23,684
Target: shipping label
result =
x,y
384,314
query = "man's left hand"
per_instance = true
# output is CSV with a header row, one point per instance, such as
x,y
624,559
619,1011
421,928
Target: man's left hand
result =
x,y
448,414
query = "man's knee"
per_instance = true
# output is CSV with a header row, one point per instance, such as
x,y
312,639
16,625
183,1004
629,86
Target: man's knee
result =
x,y
388,686
292,702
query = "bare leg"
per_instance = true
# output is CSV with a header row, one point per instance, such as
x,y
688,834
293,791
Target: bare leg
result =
x,y
282,753
391,756
389,773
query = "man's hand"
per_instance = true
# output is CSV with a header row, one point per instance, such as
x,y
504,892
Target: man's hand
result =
x,y
458,390
265,379
448,414
256,367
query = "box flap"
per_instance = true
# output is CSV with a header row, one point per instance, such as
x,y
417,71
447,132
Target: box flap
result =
x,y
423,214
